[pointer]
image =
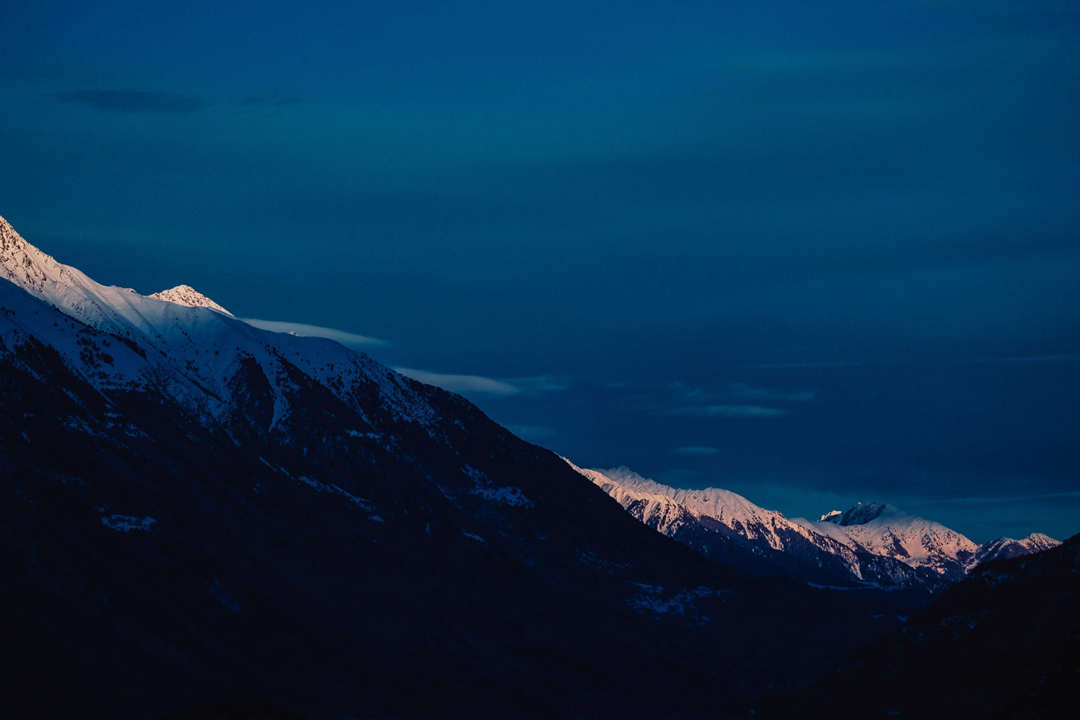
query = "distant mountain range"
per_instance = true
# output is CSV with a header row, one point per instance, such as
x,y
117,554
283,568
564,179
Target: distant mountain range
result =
x,y
869,544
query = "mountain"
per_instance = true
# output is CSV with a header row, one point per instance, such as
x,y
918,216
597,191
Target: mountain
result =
x,y
210,363
195,512
731,530
1005,548
1000,643
867,545
886,531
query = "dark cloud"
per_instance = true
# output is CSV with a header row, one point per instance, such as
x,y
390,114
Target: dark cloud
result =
x,y
134,101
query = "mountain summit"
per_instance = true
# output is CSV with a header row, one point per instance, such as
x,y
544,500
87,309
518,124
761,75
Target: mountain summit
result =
x,y
186,345
189,297
59,285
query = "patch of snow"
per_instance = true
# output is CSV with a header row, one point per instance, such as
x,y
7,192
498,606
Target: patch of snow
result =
x,y
363,503
502,494
363,435
226,600
474,474
128,523
652,599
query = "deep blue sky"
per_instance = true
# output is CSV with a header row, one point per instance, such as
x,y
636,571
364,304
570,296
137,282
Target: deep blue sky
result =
x,y
810,252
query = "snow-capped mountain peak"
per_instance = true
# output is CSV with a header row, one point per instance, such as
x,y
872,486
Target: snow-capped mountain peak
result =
x,y
115,310
188,345
1040,541
1005,547
882,529
189,297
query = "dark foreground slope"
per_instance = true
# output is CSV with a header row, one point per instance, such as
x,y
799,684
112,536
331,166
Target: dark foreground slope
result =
x,y
339,560
1005,642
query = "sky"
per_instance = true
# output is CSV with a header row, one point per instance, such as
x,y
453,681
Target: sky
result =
x,y
813,253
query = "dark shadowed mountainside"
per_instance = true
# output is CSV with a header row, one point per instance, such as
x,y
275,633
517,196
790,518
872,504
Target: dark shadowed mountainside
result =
x,y
1004,642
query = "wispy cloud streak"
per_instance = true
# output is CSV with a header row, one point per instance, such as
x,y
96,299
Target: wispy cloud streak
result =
x,y
482,385
304,330
462,383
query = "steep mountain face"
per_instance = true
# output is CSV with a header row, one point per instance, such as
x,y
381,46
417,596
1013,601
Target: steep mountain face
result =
x,y
869,544
194,510
732,530
1001,643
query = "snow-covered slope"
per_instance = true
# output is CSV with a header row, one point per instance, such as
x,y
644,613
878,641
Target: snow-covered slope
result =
x,y
666,508
104,307
191,347
655,509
